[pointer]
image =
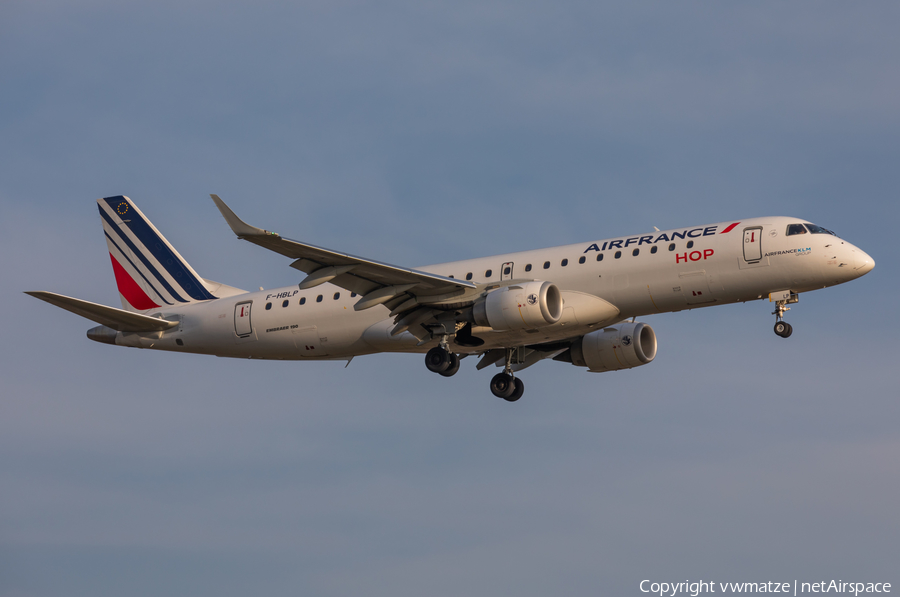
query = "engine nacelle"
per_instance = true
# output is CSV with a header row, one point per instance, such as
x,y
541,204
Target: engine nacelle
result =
x,y
521,307
615,347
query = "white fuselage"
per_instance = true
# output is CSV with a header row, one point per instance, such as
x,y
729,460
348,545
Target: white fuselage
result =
x,y
673,270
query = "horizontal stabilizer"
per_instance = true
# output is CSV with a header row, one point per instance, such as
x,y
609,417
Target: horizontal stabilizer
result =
x,y
117,319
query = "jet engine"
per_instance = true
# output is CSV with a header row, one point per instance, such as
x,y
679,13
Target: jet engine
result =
x,y
520,307
615,347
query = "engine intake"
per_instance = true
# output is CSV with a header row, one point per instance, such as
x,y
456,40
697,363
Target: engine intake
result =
x,y
616,347
521,307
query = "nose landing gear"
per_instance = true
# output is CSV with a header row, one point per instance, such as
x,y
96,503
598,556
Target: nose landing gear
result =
x,y
783,328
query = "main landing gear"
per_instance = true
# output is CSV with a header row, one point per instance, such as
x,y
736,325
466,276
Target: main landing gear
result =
x,y
504,385
442,361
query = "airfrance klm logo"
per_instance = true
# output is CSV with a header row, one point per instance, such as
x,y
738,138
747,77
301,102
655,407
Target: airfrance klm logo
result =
x,y
790,252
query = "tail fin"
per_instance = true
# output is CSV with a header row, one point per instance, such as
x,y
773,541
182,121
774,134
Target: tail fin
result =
x,y
149,271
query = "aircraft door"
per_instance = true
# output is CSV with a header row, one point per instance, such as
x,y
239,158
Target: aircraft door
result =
x,y
506,271
242,327
753,244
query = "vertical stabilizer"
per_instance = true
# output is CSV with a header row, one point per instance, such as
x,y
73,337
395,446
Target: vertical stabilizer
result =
x,y
149,271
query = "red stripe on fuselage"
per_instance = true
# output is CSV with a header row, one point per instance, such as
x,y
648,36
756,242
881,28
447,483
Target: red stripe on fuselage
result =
x,y
730,228
133,293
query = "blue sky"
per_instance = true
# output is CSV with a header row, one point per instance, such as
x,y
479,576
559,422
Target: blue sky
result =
x,y
418,133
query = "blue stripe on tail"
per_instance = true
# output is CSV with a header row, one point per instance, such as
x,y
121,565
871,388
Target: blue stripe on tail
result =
x,y
160,250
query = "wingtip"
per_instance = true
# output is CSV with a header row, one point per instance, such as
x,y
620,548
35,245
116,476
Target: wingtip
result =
x,y
238,226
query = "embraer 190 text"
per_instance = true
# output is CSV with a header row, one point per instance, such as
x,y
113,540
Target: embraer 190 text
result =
x,y
570,303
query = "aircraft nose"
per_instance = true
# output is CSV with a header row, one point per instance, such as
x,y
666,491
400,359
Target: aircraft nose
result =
x,y
861,262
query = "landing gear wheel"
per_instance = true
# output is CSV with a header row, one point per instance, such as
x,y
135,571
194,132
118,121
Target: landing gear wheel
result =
x,y
783,329
503,386
517,393
438,360
453,368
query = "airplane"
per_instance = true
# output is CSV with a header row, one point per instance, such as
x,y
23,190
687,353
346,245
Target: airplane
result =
x,y
577,303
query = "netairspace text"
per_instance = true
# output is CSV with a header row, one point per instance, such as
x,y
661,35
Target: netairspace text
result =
x,y
672,589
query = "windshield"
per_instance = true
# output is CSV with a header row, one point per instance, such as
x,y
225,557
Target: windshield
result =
x,y
819,230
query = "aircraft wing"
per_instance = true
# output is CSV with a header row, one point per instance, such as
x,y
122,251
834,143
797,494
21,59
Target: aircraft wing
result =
x,y
117,319
376,282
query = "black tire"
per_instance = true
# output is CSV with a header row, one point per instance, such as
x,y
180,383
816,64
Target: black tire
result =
x,y
503,386
518,391
788,332
781,329
453,368
437,359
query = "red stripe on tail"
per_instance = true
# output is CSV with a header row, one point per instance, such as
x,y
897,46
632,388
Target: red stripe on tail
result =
x,y
133,293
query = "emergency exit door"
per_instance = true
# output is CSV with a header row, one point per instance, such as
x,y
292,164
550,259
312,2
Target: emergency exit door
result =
x,y
506,271
753,244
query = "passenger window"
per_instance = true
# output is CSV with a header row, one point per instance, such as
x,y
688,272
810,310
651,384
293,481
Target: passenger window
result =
x,y
546,265
352,295
285,303
690,244
337,295
450,276
599,256
618,254
268,306
672,247
469,276
582,259
488,273
564,262
302,300
506,271
319,299
528,268
653,249
635,252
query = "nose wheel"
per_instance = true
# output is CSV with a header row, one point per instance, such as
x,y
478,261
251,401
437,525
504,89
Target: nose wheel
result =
x,y
783,329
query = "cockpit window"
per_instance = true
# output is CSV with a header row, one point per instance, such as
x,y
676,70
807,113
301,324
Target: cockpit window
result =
x,y
795,229
819,230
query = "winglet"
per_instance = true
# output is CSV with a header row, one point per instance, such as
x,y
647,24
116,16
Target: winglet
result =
x,y
238,226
